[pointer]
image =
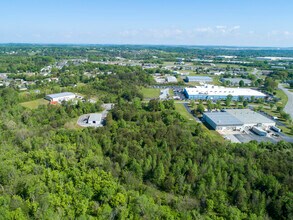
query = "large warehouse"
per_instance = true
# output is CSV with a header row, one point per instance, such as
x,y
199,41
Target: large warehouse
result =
x,y
219,93
59,97
236,81
237,119
200,79
222,121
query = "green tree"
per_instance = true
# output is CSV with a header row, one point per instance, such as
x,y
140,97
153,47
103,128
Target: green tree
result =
x,y
245,103
228,100
200,108
159,174
241,83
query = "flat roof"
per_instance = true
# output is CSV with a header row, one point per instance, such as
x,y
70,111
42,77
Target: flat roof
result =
x,y
59,95
223,119
171,79
222,91
95,117
236,80
199,78
248,116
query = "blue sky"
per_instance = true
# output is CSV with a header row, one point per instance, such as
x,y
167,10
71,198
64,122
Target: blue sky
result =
x,y
190,22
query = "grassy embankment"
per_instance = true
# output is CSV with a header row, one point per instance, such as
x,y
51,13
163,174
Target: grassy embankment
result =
x,y
149,93
182,110
35,103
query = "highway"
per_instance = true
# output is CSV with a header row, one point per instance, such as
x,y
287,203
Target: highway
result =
x,y
289,106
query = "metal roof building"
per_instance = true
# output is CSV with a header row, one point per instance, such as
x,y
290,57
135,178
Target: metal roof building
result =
x,y
237,119
218,92
59,97
94,118
171,79
202,79
235,81
222,120
251,118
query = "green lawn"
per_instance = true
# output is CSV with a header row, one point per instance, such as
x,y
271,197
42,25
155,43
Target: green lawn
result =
x,y
72,124
182,110
150,93
216,81
284,99
35,103
273,112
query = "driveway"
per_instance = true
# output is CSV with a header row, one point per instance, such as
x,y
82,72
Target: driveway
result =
x,y
82,120
289,106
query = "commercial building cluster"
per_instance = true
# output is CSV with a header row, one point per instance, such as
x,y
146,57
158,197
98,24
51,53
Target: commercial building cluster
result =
x,y
238,119
211,92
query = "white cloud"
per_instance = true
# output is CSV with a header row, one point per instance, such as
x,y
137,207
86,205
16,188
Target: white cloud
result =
x,y
225,29
179,35
204,30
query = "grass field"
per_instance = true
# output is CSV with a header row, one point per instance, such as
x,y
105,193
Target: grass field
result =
x,y
35,103
72,124
182,110
150,93
216,81
273,112
284,99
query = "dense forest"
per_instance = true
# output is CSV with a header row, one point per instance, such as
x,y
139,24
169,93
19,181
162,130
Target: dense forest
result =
x,y
148,162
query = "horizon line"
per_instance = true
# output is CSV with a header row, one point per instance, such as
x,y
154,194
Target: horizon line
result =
x,y
145,44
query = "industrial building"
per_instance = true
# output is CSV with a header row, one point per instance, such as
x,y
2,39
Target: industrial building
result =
x,y
94,119
171,79
237,119
236,81
59,97
210,92
222,121
199,79
251,118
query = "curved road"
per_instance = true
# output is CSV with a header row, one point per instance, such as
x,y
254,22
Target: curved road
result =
x,y
289,106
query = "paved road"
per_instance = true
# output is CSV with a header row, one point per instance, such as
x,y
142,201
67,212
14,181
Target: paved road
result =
x,y
289,106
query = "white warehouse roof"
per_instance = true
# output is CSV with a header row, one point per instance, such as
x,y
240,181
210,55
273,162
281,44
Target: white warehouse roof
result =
x,y
223,91
223,119
248,116
60,95
95,117
171,79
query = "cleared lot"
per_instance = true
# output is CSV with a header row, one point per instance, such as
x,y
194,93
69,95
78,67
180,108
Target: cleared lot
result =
x,y
35,103
83,119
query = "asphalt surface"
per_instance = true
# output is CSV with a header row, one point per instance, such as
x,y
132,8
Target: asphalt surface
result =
x,y
82,119
289,106
278,123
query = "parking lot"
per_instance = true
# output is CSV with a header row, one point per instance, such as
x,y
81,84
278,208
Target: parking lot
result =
x,y
248,135
83,119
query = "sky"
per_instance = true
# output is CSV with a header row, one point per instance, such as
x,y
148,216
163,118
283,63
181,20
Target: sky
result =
x,y
164,22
